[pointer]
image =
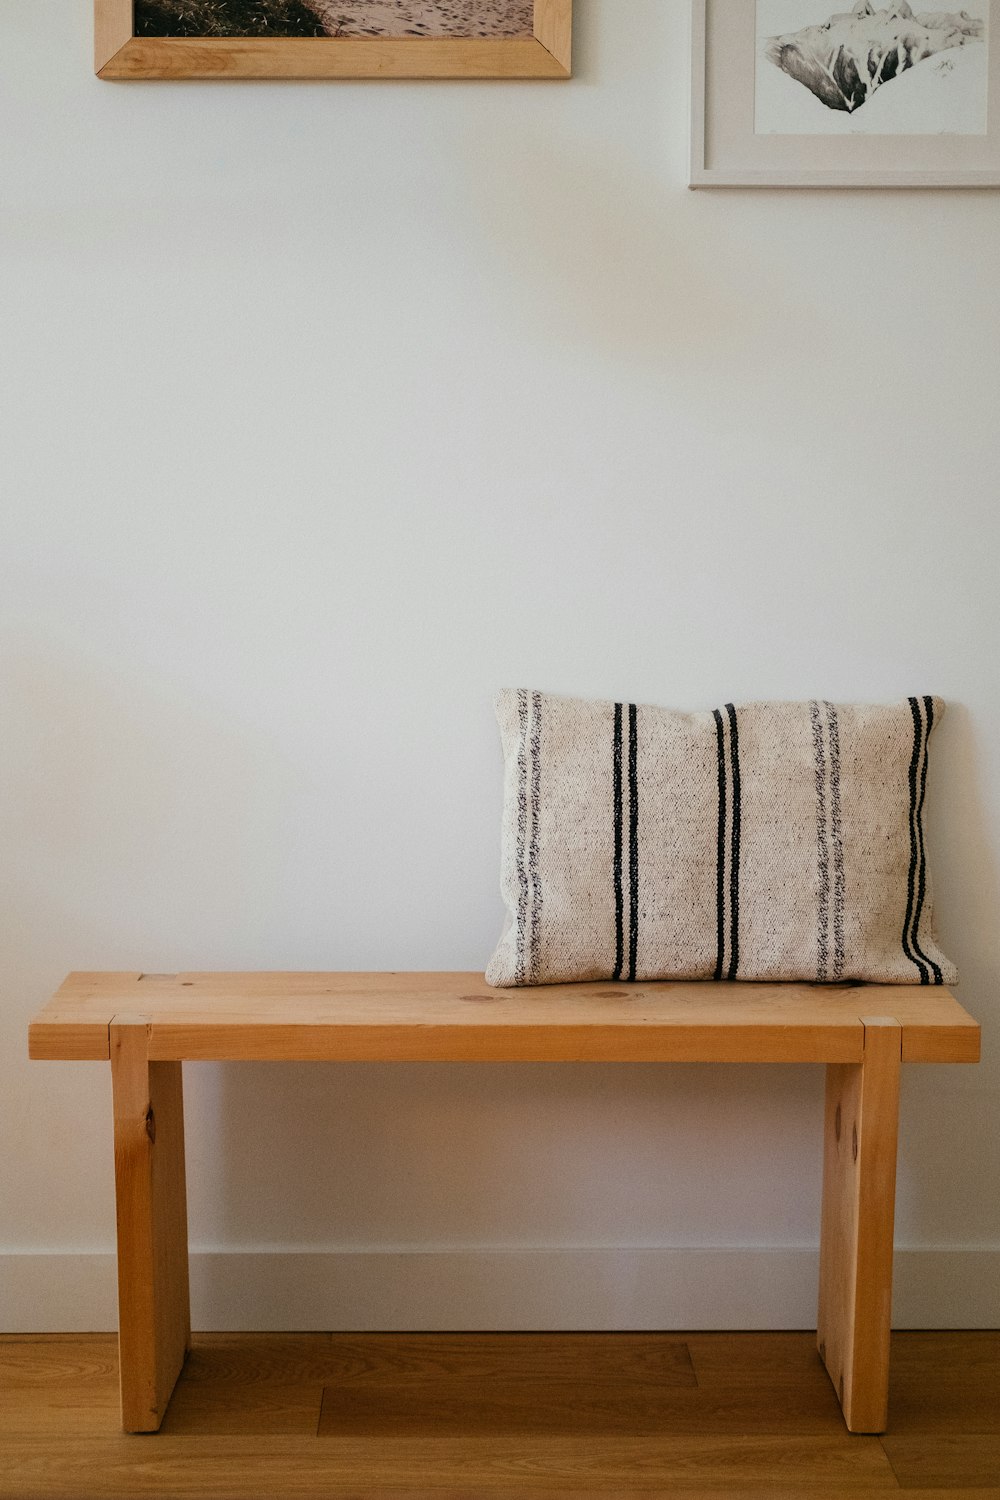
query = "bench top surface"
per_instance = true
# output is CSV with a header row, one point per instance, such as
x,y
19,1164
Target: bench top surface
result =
x,y
458,1017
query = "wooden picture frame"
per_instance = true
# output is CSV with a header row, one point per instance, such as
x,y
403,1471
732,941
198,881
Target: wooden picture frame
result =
x,y
119,54
727,150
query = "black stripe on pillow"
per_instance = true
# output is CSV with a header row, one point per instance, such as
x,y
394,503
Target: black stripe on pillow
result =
x,y
734,857
720,852
921,854
633,836
911,878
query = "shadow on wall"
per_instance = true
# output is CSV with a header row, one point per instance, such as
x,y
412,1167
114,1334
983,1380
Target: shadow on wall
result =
x,y
940,1197
966,876
940,1183
483,1155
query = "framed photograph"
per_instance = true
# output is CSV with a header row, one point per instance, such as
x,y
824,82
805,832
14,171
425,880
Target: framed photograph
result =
x,y
332,38
830,93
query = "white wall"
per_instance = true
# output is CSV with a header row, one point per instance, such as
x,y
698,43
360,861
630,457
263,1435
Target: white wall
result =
x,y
328,410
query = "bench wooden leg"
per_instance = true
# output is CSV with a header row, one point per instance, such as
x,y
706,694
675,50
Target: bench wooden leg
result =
x,y
859,1190
154,1320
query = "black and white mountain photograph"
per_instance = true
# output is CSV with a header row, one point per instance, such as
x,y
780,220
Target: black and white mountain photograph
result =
x,y
888,70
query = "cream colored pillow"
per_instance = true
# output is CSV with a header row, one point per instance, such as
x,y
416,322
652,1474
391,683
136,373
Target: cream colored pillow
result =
x,y
776,841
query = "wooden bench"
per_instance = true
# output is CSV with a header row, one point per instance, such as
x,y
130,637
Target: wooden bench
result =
x,y
147,1025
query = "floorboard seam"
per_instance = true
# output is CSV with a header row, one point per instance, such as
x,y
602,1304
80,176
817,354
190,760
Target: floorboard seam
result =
x,y
892,1468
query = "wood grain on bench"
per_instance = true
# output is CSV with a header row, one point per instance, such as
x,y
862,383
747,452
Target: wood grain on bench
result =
x,y
457,1017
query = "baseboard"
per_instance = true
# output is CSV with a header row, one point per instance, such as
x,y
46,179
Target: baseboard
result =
x,y
500,1289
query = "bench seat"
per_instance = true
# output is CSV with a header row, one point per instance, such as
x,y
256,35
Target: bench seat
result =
x,y
148,1025
457,1017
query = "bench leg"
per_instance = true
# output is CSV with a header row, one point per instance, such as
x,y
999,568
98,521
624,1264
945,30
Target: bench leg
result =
x,y
859,1189
154,1320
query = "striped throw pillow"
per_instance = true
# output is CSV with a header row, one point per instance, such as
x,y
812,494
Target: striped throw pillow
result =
x,y
777,841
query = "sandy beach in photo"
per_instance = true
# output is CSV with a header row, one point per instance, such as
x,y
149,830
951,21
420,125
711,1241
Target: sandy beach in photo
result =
x,y
449,18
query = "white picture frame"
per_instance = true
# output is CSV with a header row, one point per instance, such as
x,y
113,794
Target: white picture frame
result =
x,y
728,151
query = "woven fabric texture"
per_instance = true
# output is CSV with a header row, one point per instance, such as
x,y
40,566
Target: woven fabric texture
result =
x,y
774,841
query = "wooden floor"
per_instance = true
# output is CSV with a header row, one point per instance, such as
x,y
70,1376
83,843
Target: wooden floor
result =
x,y
494,1416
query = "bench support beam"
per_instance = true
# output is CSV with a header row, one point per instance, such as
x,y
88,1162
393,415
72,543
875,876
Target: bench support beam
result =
x,y
154,1318
859,1188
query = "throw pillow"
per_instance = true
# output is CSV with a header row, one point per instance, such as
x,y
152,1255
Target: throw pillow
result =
x,y
775,841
